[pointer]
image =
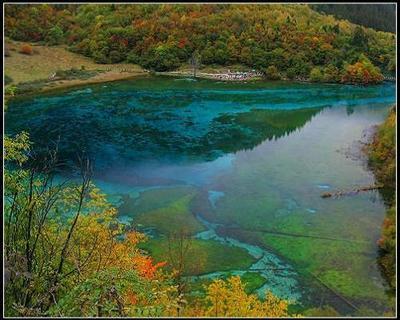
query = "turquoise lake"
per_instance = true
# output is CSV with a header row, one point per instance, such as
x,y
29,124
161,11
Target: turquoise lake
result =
x,y
247,162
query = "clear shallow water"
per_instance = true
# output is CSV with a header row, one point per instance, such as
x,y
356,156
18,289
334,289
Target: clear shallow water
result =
x,y
258,156
280,277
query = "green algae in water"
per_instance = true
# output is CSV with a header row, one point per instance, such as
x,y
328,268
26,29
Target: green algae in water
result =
x,y
175,217
161,145
281,278
203,256
148,118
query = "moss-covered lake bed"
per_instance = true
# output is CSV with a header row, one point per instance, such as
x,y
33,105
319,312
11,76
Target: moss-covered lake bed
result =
x,y
239,170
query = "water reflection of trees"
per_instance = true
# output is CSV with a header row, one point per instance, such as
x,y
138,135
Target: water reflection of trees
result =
x,y
135,136
231,133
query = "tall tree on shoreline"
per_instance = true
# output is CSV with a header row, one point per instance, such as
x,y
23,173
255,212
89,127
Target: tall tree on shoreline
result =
x,y
195,62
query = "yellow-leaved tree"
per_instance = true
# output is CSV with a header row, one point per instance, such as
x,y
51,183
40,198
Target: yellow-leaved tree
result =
x,y
229,299
66,253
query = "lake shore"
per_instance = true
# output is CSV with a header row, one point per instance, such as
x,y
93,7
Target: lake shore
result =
x,y
110,75
221,76
38,72
103,77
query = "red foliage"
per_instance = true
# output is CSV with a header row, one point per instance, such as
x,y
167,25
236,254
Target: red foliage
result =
x,y
132,298
26,49
72,38
362,72
145,266
114,38
182,42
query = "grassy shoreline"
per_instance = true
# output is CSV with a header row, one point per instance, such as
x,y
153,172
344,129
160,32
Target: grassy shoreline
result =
x,y
35,72
67,84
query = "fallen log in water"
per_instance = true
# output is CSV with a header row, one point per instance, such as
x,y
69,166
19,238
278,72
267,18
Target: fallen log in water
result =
x,y
222,232
351,192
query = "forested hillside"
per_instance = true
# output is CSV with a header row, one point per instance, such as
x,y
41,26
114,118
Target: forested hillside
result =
x,y
292,41
378,16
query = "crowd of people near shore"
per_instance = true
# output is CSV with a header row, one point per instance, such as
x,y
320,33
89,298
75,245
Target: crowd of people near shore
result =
x,y
244,76
235,75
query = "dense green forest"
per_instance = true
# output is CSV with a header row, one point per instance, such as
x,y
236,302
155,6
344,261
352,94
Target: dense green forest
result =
x,y
378,16
284,41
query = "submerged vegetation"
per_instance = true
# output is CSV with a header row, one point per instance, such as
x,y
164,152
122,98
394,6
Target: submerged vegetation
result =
x,y
282,40
256,197
257,205
66,254
194,135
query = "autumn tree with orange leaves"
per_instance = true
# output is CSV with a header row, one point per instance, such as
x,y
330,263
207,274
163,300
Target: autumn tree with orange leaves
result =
x,y
362,72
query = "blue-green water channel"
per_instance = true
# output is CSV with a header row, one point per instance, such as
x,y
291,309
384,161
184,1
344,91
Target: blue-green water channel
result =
x,y
237,165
